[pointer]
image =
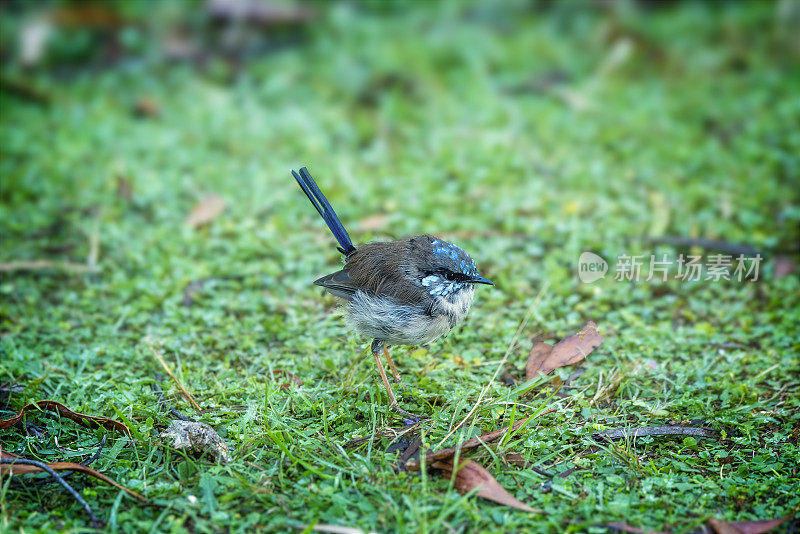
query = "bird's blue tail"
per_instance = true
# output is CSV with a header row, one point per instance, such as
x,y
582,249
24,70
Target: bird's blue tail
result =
x,y
309,187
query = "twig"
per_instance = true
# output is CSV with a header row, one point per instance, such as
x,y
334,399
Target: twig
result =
x,y
707,244
162,402
186,394
88,462
443,454
58,478
94,243
502,364
25,91
96,454
43,265
665,430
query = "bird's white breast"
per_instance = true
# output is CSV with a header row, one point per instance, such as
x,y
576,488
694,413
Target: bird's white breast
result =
x,y
396,324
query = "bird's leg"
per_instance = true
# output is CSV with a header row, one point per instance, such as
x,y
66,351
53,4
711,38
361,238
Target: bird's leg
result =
x,y
376,346
395,374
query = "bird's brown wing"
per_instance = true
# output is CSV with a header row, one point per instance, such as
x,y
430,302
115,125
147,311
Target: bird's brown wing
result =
x,y
382,269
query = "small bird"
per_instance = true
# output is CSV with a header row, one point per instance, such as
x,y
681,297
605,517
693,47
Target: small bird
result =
x,y
404,292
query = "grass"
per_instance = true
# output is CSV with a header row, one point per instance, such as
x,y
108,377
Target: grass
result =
x,y
525,135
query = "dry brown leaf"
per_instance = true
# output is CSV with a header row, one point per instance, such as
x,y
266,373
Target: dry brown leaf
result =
x,y
448,453
146,107
336,529
745,527
783,266
124,187
88,15
723,527
515,458
261,12
24,469
543,358
205,211
293,378
624,527
539,354
374,222
53,406
470,475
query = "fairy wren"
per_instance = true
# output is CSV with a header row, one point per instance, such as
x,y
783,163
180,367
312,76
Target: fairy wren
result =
x,y
404,292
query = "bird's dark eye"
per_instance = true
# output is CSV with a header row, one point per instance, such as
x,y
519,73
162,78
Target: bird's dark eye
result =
x,y
454,276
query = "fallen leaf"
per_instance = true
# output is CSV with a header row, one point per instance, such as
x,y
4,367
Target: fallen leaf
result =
x,y
261,12
374,222
146,107
124,188
448,453
86,15
515,458
293,378
745,527
783,266
722,527
336,529
471,475
205,211
53,406
24,469
543,358
624,527
198,438
538,355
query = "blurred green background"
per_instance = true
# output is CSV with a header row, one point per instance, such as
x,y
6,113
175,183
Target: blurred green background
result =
x,y
527,132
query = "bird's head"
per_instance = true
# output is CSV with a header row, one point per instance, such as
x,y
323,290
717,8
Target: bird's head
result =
x,y
444,268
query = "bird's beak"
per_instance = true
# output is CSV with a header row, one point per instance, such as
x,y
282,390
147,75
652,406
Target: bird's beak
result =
x,y
481,280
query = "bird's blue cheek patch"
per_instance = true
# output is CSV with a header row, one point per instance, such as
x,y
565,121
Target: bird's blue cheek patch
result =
x,y
430,280
439,286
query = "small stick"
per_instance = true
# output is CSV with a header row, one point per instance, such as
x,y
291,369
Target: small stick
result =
x,y
665,430
443,454
44,467
94,244
707,244
169,372
88,462
42,265
162,402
